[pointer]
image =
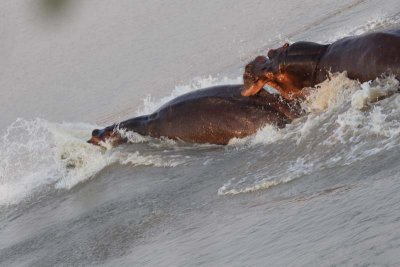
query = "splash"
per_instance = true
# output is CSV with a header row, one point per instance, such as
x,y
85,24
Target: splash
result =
x,y
330,93
39,155
347,122
296,169
24,159
266,135
373,91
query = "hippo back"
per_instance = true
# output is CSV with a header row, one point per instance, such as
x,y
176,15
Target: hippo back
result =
x,y
364,57
222,91
216,115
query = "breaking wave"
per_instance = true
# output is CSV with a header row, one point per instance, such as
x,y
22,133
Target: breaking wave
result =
x,y
37,153
346,123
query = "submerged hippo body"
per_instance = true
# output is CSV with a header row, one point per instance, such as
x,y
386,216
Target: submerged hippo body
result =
x,y
305,64
212,115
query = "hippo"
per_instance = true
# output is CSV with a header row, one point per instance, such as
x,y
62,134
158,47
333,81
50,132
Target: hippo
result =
x,y
212,115
291,68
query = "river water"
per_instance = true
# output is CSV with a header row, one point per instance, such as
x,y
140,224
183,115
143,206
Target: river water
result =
x,y
321,192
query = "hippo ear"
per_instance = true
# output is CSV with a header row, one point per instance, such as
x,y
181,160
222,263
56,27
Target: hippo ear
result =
x,y
271,53
286,45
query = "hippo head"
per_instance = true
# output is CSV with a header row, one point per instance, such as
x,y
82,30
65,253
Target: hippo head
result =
x,y
106,135
262,70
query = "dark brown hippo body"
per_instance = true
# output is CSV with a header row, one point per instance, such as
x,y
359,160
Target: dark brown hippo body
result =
x,y
212,115
304,64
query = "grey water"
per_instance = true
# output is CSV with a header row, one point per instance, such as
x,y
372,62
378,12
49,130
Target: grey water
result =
x,y
321,192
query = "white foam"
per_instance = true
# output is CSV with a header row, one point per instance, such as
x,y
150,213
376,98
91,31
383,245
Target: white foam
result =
x,y
35,154
265,135
132,137
38,153
295,170
373,91
345,124
331,93
335,111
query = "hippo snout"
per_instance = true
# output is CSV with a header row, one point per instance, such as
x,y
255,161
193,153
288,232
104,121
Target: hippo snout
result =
x,y
107,134
97,137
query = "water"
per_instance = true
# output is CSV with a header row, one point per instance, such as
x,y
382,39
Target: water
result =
x,y
323,191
